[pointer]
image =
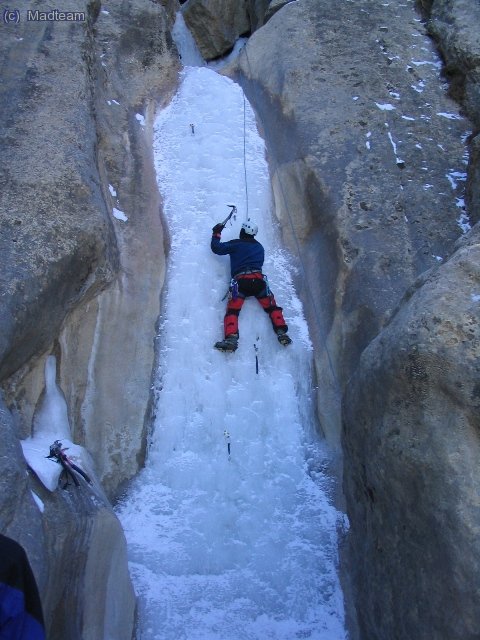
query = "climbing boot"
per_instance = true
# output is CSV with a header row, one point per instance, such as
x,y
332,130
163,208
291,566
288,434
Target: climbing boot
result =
x,y
283,337
230,343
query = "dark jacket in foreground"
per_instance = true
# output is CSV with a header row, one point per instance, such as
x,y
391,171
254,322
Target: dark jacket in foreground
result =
x,y
21,615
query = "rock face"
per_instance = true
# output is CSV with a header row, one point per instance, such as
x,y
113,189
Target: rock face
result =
x,y
89,267
83,255
216,24
75,545
58,242
353,137
256,12
412,444
455,27
368,156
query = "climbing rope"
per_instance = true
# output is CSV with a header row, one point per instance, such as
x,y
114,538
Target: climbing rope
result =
x,y
310,296
245,154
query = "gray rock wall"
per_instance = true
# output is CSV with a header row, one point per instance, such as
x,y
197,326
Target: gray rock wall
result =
x,y
216,24
129,67
83,258
353,136
75,546
455,27
412,444
57,243
368,151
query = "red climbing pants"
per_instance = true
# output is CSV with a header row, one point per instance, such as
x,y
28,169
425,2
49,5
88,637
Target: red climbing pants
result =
x,y
244,286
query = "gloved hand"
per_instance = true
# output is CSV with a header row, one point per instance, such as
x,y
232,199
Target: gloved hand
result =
x,y
218,228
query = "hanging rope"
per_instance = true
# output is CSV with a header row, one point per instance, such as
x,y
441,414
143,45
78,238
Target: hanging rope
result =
x,y
245,154
310,296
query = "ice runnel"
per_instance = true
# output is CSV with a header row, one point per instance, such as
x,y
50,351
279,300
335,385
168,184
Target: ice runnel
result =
x,y
241,547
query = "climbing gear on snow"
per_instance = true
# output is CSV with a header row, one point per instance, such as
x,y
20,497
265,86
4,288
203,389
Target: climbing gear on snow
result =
x,y
229,344
267,286
58,453
256,355
250,228
192,128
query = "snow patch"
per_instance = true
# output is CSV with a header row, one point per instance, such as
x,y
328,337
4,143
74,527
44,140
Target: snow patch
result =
x,y
449,116
385,106
40,504
119,215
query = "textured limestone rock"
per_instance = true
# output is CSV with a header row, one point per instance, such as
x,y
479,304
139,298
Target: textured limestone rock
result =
x,y
412,443
130,65
57,241
216,24
361,141
256,12
455,26
456,29
273,7
82,251
106,373
473,184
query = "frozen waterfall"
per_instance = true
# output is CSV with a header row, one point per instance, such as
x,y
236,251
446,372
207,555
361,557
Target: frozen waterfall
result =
x,y
239,547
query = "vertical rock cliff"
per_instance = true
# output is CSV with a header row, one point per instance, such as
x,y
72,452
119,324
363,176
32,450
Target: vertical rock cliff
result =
x,y
82,248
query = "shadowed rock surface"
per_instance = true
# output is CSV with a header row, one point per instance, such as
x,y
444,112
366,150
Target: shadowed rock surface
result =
x,y
216,24
74,543
412,444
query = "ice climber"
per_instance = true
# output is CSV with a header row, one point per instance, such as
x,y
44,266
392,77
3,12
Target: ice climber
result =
x,y
246,261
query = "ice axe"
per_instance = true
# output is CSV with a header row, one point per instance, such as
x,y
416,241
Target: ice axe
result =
x,y
232,213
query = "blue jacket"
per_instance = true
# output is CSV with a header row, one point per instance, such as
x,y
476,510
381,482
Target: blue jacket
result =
x,y
21,616
244,254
